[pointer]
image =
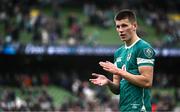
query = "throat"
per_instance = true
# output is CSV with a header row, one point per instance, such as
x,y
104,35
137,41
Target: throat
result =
x,y
131,42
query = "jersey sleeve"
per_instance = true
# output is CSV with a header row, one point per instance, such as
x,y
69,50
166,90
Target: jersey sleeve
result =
x,y
146,56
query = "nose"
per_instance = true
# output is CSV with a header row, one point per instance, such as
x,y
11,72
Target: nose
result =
x,y
120,29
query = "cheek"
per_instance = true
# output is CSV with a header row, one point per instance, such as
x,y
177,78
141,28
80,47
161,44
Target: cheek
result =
x,y
131,29
117,29
128,30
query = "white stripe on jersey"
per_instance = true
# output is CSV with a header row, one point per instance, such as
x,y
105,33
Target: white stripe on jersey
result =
x,y
142,60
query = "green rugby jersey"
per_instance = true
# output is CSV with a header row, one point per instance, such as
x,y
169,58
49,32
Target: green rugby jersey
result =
x,y
132,97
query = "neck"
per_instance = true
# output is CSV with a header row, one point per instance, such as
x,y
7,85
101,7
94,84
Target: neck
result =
x,y
132,40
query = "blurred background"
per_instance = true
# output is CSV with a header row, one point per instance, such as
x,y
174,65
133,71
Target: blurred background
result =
x,y
49,48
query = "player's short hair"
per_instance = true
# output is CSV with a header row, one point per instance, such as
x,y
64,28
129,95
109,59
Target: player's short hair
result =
x,y
126,14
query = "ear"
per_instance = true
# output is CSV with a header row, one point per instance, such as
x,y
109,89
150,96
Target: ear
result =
x,y
134,26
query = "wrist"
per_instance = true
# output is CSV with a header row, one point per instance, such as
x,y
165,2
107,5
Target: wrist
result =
x,y
119,71
109,82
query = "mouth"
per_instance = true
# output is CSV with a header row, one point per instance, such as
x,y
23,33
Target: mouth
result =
x,y
122,35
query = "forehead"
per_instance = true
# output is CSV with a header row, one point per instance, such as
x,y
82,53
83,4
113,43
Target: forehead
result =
x,y
122,21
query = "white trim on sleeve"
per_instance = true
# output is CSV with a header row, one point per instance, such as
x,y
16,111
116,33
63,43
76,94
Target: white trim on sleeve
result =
x,y
143,60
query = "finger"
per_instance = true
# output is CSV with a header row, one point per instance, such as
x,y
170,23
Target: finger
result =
x,y
95,74
109,62
101,63
106,69
91,80
106,64
101,84
94,81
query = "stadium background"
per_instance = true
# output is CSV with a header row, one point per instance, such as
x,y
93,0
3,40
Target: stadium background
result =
x,y
49,48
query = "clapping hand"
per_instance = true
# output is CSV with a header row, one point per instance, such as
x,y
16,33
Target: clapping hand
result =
x,y
110,67
99,79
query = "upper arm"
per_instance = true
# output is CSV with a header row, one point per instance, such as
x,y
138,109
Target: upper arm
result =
x,y
147,73
145,61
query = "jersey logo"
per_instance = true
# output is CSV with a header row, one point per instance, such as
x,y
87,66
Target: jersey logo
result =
x,y
135,106
129,56
148,52
119,59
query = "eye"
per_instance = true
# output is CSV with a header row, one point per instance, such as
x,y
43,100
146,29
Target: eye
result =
x,y
117,26
124,25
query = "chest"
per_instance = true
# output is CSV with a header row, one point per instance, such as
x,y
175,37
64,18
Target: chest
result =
x,y
127,58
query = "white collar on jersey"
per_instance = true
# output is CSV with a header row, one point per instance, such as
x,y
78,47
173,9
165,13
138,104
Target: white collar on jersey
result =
x,y
127,47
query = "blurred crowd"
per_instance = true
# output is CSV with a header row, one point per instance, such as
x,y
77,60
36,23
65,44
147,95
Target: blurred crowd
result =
x,y
47,25
22,17
87,96
31,98
28,100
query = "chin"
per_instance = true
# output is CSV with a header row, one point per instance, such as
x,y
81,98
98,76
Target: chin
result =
x,y
123,39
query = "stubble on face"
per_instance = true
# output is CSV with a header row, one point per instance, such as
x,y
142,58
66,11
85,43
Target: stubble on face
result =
x,y
125,30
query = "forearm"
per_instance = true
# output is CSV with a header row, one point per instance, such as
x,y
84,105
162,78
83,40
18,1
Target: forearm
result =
x,y
138,80
113,87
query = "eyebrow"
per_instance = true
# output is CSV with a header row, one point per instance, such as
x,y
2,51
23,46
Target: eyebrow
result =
x,y
122,25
